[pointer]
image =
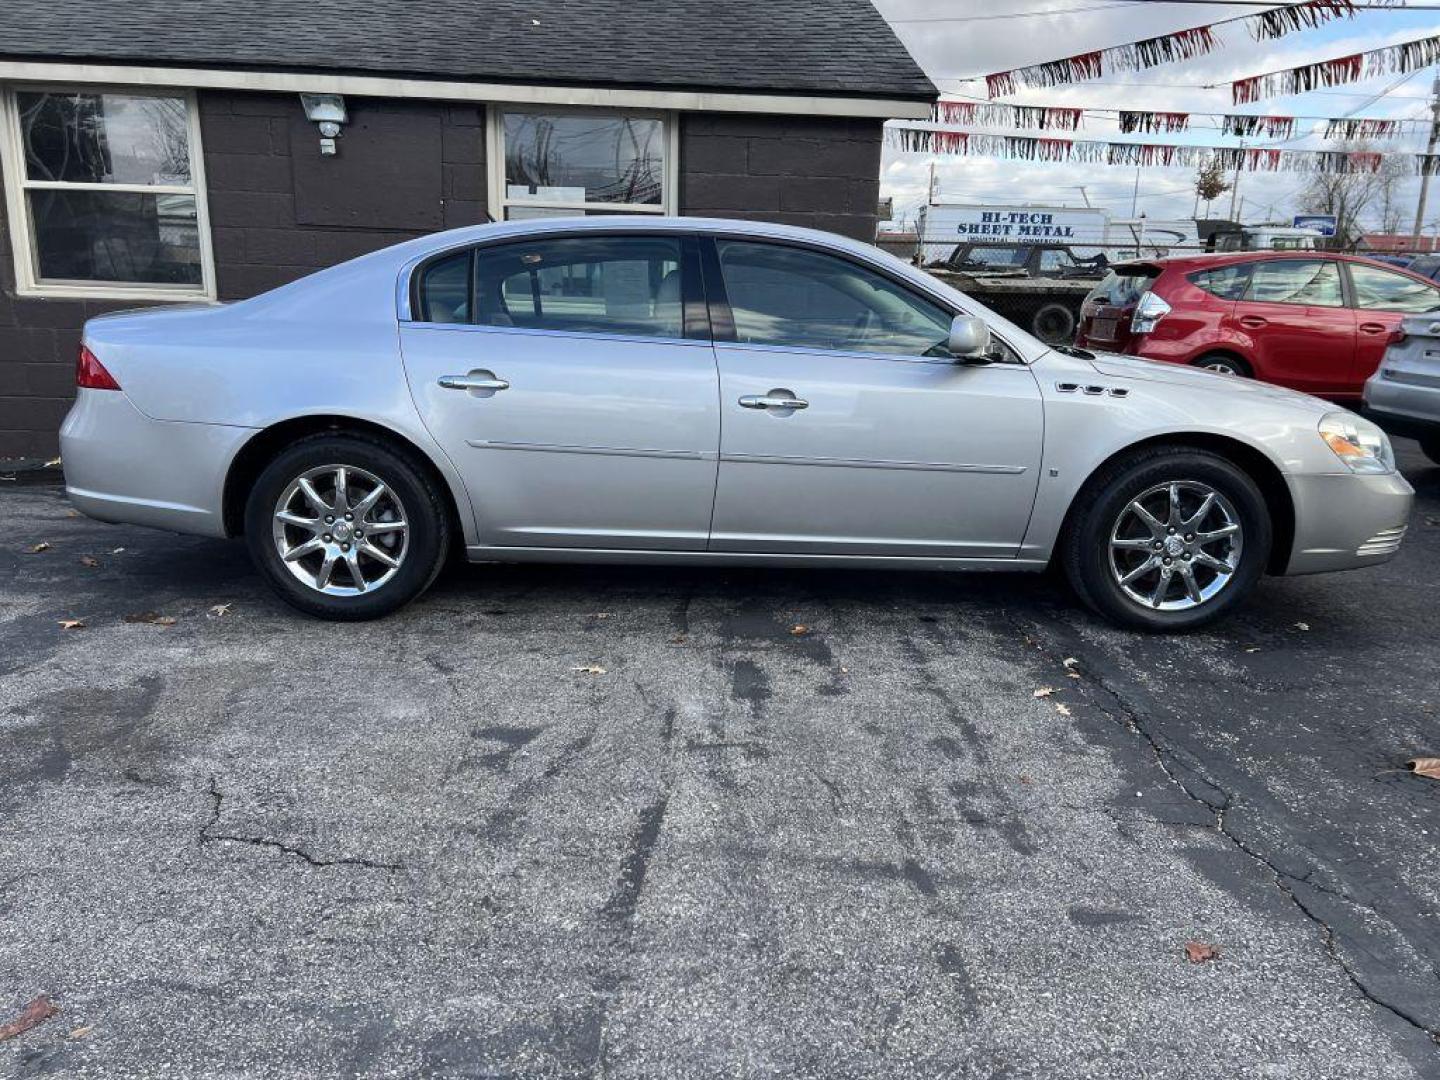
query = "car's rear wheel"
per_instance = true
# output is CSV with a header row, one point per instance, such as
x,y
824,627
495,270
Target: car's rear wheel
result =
x,y
1225,364
1431,448
346,527
1167,538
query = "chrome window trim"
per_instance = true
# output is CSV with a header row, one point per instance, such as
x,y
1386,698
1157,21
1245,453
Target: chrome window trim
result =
x,y
576,335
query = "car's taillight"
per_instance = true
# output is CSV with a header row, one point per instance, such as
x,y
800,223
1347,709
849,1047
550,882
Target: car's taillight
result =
x,y
1148,313
90,374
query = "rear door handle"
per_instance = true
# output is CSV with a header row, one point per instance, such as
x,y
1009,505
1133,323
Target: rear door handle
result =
x,y
1373,328
476,380
1252,322
776,399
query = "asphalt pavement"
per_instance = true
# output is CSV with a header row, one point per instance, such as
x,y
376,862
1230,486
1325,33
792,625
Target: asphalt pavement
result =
x,y
650,822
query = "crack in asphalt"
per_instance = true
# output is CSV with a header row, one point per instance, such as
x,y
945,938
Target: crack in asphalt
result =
x,y
209,836
1131,716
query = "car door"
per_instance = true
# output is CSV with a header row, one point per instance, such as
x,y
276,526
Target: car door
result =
x,y
573,386
1382,299
1300,332
845,430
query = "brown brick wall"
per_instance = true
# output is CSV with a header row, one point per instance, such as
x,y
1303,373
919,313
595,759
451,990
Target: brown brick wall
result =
x,y
279,210
820,172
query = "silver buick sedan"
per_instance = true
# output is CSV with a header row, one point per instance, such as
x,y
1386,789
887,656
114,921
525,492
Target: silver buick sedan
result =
x,y
610,389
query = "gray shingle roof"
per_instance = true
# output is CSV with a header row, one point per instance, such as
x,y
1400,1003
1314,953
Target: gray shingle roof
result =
x,y
835,47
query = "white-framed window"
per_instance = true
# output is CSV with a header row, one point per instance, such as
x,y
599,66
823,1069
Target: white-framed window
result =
x,y
105,193
555,162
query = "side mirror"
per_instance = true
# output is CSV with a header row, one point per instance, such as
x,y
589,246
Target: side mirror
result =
x,y
969,339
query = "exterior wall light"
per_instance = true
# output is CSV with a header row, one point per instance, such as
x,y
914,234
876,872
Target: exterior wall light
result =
x,y
327,111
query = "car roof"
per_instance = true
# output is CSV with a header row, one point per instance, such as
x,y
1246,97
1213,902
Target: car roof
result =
x,y
1224,258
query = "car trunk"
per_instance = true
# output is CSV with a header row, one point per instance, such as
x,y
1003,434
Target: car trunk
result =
x,y
1106,312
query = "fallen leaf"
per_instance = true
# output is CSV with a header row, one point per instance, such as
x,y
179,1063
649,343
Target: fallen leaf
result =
x,y
154,618
72,513
679,639
1428,767
590,669
41,1009
799,630
219,611
1045,691
844,671
81,1032
1302,626
1070,662
1197,952
72,624
1024,779
89,560
1062,708
600,615
117,551
36,549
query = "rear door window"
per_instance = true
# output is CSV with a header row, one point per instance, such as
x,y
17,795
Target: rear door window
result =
x,y
1226,282
625,285
1381,290
1312,282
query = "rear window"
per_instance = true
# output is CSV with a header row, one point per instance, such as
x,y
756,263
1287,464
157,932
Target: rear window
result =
x,y
1226,282
1122,286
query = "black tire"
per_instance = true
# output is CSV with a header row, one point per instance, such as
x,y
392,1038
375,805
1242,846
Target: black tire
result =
x,y
1431,448
1054,324
419,502
1225,364
1085,551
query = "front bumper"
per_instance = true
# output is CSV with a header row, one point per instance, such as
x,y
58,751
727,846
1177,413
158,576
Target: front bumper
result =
x,y
122,466
1346,521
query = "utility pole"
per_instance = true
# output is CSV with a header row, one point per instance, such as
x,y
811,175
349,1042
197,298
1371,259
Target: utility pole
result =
x,y
1429,149
1235,184
1083,194
1135,195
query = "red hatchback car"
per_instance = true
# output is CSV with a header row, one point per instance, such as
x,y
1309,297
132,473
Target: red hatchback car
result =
x,y
1311,320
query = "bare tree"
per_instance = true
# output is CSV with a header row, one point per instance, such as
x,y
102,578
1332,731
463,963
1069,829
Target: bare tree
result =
x,y
1353,196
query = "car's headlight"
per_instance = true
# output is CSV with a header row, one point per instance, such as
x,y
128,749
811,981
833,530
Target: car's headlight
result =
x,y
1362,446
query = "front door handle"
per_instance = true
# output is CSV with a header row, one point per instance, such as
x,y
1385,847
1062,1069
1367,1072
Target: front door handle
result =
x,y
775,399
480,382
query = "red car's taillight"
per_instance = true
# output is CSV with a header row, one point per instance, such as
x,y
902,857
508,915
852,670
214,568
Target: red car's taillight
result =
x,y
90,374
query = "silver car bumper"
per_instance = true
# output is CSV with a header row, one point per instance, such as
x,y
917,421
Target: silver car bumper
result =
x,y
122,466
1347,521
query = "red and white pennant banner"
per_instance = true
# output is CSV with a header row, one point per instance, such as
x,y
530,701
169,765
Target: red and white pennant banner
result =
x,y
1165,48
1402,57
1095,151
1049,117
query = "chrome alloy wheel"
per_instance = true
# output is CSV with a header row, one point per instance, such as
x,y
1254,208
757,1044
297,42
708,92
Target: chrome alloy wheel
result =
x,y
1175,546
340,530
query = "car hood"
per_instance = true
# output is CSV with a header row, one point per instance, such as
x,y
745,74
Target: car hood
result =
x,y
1135,367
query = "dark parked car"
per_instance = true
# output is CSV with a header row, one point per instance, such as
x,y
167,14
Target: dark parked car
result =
x,y
1312,321
1032,260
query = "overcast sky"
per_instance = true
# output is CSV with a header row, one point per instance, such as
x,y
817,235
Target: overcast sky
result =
x,y
997,36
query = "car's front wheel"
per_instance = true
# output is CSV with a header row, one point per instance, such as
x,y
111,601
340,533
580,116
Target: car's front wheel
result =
x,y
1431,448
1167,538
345,527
